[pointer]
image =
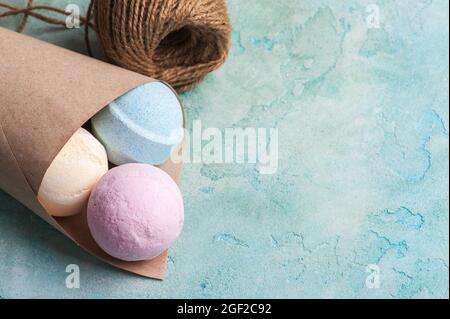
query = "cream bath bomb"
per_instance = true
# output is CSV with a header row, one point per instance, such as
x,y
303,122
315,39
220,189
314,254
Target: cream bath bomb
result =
x,y
68,182
135,212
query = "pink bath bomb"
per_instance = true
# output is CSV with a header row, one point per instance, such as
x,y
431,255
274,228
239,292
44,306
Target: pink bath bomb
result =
x,y
135,212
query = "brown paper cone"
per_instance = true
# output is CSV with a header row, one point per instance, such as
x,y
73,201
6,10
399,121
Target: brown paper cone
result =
x,y
46,94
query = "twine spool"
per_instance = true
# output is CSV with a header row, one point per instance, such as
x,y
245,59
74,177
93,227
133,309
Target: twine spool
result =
x,y
177,41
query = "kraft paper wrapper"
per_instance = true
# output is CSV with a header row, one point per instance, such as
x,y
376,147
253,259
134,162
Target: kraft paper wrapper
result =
x,y
46,94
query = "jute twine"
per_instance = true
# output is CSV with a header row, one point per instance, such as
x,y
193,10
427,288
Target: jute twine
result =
x,y
177,41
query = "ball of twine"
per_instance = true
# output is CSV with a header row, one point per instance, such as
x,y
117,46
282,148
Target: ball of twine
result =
x,y
177,41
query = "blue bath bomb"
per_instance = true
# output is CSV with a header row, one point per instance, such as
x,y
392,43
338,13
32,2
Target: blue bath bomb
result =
x,y
141,126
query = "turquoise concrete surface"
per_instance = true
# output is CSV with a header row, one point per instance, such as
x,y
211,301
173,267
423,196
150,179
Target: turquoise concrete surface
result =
x,y
362,183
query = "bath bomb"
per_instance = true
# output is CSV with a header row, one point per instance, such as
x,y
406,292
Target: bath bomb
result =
x,y
76,169
135,212
141,126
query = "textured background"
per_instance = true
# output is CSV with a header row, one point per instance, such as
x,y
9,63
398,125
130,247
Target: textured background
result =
x,y
363,173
